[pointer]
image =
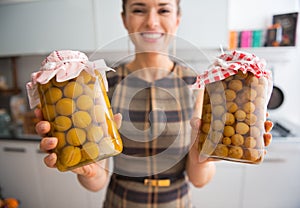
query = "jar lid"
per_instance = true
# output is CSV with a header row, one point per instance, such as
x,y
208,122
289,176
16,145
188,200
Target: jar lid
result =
x,y
64,65
229,63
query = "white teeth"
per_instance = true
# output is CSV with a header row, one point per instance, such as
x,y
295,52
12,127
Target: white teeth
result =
x,y
151,35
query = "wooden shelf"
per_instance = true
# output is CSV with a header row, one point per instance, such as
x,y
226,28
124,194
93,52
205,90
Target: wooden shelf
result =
x,y
10,91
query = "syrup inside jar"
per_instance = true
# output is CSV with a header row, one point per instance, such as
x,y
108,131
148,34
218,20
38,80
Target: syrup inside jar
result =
x,y
81,118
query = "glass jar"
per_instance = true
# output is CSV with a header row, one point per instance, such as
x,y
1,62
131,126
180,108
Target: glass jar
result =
x,y
5,123
234,109
78,109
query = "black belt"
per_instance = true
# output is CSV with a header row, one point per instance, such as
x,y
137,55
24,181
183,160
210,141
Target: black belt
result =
x,y
154,180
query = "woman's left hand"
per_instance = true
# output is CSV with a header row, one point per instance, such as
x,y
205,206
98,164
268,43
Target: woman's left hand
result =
x,y
267,134
196,123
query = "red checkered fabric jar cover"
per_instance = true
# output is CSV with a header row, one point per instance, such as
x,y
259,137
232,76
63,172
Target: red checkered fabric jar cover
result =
x,y
229,63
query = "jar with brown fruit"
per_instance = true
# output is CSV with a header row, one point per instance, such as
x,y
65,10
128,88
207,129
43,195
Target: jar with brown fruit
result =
x,y
237,88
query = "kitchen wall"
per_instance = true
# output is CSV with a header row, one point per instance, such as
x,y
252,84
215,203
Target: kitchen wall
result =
x,y
243,14
257,14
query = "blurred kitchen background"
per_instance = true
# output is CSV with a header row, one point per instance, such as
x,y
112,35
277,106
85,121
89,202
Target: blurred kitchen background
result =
x,y
31,29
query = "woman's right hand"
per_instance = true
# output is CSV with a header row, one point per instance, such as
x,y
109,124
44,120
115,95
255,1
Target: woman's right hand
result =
x,y
48,144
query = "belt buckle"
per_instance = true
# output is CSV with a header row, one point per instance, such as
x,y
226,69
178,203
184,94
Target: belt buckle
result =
x,y
159,182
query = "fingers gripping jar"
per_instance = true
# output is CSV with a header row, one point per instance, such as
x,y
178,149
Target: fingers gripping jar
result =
x,y
71,91
237,88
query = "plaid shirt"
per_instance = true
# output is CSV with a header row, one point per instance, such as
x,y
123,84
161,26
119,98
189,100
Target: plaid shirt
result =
x,y
156,136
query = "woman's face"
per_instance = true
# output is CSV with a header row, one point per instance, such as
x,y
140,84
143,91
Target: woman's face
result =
x,y
151,22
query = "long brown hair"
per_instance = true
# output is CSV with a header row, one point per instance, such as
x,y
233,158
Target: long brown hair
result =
x,y
125,1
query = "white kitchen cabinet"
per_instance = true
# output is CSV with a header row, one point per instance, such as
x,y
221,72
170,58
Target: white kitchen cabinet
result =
x,y
274,183
59,189
43,26
225,189
204,24
62,189
110,32
19,174
96,199
260,17
24,175
271,184
39,27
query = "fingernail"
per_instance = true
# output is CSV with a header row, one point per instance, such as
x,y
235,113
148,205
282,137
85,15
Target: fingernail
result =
x,y
50,141
51,157
43,127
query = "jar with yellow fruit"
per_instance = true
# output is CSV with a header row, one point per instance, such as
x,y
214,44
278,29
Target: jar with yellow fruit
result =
x,y
71,91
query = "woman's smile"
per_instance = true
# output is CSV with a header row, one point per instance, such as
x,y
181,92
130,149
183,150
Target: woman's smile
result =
x,y
151,36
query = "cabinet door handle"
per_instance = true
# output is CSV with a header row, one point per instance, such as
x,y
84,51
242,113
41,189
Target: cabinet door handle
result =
x,y
40,151
275,160
14,149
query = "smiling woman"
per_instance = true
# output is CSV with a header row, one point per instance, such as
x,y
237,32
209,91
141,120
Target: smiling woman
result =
x,y
151,25
152,94
160,121
151,91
